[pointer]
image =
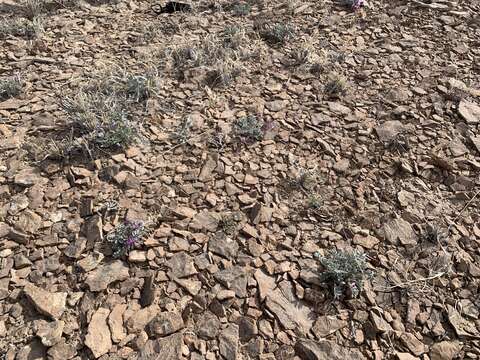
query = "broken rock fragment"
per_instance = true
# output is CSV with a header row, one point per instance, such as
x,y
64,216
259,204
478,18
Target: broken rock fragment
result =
x,y
47,303
100,278
98,337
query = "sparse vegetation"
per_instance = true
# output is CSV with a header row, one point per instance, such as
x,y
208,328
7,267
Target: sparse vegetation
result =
x,y
345,272
249,129
102,121
241,9
336,86
21,27
10,87
182,132
33,8
276,34
228,224
125,237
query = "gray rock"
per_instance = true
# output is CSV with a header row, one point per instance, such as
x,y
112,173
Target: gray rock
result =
x,y
62,351
235,279
181,265
470,111
293,315
228,342
139,320
224,246
207,326
389,130
165,323
100,278
400,231
247,328
324,350
327,325
167,348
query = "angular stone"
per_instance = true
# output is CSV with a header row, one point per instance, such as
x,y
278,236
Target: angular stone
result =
x,y
462,326
415,346
167,348
204,221
228,342
50,333
400,231
28,222
28,177
389,130
235,279
148,293
75,249
327,325
98,337
207,326
93,231
141,318
293,315
35,350
181,265
192,286
166,323
445,350
47,303
100,278
62,351
469,111
324,350
223,245
247,328
265,283
115,322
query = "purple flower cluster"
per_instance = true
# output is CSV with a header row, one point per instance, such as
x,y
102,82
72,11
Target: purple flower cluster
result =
x,y
125,237
357,4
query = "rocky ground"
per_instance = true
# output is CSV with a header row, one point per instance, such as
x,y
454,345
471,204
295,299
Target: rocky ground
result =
x,y
263,137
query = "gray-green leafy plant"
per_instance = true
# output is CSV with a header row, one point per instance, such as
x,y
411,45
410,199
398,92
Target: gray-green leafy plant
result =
x,y
125,237
345,272
249,129
10,87
275,34
102,121
241,9
21,28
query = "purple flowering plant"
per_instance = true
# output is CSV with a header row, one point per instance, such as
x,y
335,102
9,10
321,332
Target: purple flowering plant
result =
x,y
126,236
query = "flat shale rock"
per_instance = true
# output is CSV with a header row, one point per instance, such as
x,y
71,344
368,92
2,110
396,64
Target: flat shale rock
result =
x,y
293,315
141,318
181,265
389,130
167,348
327,325
100,278
324,350
207,326
470,111
115,322
62,351
265,283
234,279
98,337
445,350
166,323
47,303
50,333
223,245
400,231
228,342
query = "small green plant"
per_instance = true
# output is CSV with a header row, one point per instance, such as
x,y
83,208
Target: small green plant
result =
x,y
131,87
182,132
102,121
345,272
275,34
29,29
314,202
10,87
33,8
336,86
249,129
228,224
241,9
125,237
